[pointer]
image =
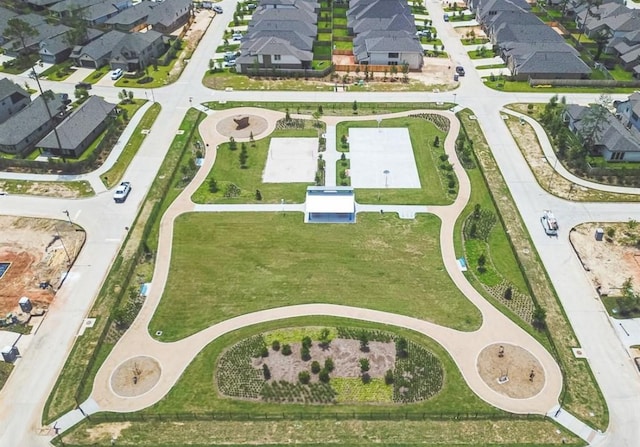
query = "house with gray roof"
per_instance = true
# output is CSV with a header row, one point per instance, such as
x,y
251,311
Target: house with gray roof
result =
x,y
137,50
13,98
20,133
97,53
80,129
279,37
57,49
44,31
384,33
614,140
5,15
273,54
164,17
629,111
529,47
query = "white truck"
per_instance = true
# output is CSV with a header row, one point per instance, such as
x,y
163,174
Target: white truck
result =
x,y
122,191
549,223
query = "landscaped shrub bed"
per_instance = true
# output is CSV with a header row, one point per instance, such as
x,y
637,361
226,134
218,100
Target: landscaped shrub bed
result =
x,y
245,369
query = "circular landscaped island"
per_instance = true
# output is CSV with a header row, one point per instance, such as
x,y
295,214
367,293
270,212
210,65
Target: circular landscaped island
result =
x,y
329,365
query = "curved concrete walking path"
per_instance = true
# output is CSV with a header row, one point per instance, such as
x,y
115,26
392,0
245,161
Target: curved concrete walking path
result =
x,y
464,347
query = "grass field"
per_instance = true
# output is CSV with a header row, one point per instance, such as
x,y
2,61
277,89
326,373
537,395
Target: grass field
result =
x,y
75,189
5,370
434,185
261,261
227,170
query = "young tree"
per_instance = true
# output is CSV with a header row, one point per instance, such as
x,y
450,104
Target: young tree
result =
x,y
275,345
18,29
354,107
402,348
364,341
232,144
304,377
508,294
405,71
538,318
258,195
328,364
286,349
364,365
266,372
213,185
324,376
130,95
305,354
315,367
436,141
482,261
325,336
388,377
306,341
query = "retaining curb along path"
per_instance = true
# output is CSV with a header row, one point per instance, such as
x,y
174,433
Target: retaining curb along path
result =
x,y
464,347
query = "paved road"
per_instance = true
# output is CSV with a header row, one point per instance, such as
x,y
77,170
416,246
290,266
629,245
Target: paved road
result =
x,y
105,227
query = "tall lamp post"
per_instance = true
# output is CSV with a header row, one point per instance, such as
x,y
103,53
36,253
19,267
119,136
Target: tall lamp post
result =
x,y
386,173
63,247
68,217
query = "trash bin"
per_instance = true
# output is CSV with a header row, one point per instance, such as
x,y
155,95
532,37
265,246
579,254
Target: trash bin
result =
x,y
455,77
599,234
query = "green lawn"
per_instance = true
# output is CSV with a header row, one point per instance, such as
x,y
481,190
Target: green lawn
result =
x,y
113,175
58,72
227,170
432,179
324,37
523,86
5,370
97,75
488,53
261,261
488,67
343,45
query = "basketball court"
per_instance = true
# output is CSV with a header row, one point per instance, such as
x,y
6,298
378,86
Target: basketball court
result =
x,y
382,158
291,160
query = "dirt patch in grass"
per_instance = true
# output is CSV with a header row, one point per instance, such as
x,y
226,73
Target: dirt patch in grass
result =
x,y
229,127
611,262
37,250
135,376
511,370
346,355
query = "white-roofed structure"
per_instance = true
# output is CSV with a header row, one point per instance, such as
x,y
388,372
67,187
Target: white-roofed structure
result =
x,y
335,204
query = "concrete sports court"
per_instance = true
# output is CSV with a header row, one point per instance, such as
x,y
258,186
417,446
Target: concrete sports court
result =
x,y
373,151
291,160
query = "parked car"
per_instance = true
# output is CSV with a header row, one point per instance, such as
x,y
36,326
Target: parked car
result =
x,y
122,192
83,86
230,63
446,17
116,74
460,70
252,6
217,9
236,37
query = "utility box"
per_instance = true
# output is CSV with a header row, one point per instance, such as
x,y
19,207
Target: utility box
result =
x,y
25,304
10,354
599,234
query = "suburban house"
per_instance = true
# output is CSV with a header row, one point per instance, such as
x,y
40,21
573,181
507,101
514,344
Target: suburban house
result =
x,y
57,49
164,17
45,31
96,53
530,48
93,12
20,133
13,98
614,140
384,33
279,37
629,111
136,51
80,129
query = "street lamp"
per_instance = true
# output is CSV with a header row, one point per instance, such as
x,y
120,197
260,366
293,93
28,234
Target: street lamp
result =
x,y
386,173
63,246
454,99
68,216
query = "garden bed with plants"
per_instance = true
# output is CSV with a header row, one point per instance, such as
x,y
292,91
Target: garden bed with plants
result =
x,y
330,365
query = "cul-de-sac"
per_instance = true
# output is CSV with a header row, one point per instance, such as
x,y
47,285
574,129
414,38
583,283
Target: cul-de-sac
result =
x,y
320,222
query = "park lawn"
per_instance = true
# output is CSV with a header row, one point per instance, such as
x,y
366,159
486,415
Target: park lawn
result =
x,y
333,108
196,391
422,134
113,175
523,86
227,170
261,261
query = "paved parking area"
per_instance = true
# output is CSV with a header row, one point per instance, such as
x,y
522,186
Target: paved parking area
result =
x,y
382,158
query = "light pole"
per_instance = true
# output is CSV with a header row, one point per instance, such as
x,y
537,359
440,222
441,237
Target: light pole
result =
x,y
68,216
386,177
63,247
454,99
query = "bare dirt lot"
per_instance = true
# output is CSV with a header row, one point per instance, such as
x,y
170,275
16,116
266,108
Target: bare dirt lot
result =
x,y
346,356
35,249
611,262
